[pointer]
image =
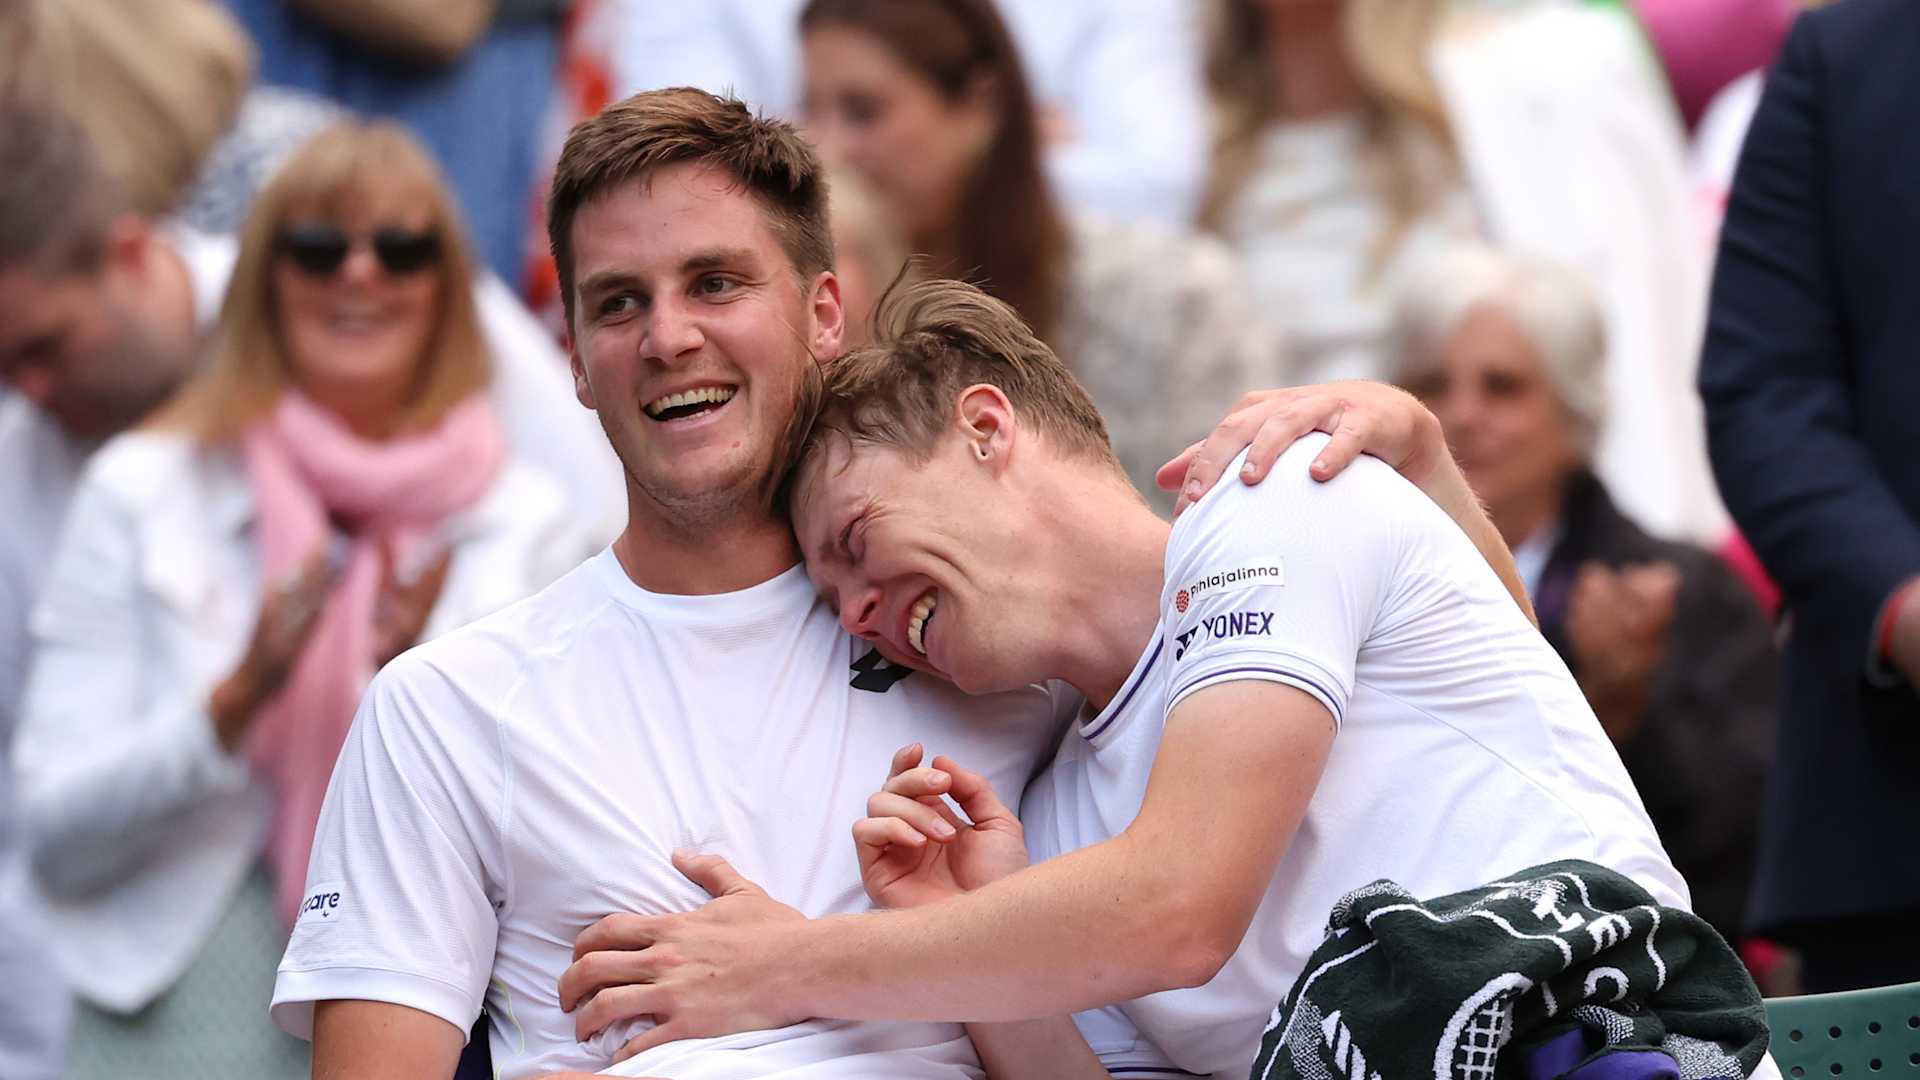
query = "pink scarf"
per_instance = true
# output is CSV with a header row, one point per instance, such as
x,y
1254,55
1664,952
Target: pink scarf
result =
x,y
308,470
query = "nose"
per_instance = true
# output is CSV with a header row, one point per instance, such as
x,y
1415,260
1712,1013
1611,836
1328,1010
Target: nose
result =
x,y
861,615
362,265
672,331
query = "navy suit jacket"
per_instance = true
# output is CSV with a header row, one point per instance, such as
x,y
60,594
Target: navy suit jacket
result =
x,y
1811,379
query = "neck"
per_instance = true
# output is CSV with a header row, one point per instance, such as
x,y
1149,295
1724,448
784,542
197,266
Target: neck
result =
x,y
1306,53
1520,519
1104,580
664,556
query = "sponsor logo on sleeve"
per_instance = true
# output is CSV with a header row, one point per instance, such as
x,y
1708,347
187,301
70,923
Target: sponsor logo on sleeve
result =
x,y
1232,624
1226,581
323,905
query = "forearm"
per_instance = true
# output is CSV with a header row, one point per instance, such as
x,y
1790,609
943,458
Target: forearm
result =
x,y
1103,924
1050,1049
87,819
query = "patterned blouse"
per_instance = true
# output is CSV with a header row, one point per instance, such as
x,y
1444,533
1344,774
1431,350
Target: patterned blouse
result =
x,y
1157,326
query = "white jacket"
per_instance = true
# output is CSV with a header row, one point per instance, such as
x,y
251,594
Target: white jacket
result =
x,y
1574,151
140,827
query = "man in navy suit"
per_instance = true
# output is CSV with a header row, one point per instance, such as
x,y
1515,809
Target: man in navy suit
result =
x,y
1811,376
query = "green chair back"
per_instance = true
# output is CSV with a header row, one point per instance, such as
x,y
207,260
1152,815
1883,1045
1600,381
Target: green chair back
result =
x,y
1869,1034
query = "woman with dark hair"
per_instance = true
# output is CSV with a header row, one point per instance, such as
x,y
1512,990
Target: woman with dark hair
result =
x,y
927,100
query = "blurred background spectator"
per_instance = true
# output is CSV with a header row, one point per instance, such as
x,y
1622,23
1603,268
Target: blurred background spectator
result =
x,y
1357,137
170,64
333,486
928,102
1115,84
470,77
1669,646
1811,390
1166,188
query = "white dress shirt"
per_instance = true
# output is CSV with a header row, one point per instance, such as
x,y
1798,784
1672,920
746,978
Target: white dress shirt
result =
x,y
140,826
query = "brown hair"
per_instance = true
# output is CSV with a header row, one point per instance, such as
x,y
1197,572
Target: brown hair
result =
x,y
631,139
1010,236
155,82
935,338
1386,42
348,166
57,202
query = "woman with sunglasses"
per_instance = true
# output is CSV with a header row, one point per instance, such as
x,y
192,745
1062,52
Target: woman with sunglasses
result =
x,y
333,488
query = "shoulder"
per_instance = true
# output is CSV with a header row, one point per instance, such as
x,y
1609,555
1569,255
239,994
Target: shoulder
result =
x,y
461,694
485,660
1356,523
143,466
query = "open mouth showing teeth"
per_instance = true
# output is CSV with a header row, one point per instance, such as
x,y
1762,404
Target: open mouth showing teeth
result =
x,y
917,622
689,403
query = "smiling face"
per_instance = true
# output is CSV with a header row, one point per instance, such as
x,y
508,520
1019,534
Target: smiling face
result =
x,y
915,147
1510,431
692,333
356,333
923,560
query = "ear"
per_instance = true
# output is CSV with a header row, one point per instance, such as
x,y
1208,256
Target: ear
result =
x,y
980,106
582,389
986,421
131,245
829,317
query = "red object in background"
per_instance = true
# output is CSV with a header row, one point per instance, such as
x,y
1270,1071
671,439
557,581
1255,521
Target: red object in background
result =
x,y
1706,44
1739,555
585,86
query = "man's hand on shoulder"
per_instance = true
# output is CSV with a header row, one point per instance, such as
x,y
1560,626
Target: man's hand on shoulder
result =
x,y
698,974
1362,417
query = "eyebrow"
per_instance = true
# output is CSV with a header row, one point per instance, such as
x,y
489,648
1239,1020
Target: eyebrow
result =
x,y
710,259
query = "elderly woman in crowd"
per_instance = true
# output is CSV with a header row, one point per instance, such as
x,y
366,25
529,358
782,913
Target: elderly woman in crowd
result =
x,y
927,100
1358,139
1668,646
334,487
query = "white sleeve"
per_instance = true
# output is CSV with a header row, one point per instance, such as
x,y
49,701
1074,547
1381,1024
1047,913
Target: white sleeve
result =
x,y
103,765
407,867
1283,581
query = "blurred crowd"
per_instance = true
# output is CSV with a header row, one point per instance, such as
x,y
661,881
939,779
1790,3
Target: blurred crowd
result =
x,y
273,280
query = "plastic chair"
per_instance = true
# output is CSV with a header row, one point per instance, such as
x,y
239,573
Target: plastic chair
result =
x,y
1870,1034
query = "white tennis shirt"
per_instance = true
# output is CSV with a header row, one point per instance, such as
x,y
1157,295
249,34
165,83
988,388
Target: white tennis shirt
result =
x,y
1464,750
507,785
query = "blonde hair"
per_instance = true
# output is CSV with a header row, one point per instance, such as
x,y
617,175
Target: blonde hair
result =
x,y
1410,147
156,83
349,166
934,338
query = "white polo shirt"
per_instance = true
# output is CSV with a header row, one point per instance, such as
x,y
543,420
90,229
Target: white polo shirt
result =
x,y
507,785
1463,748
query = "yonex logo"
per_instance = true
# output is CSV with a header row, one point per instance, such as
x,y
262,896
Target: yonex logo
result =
x,y
1231,625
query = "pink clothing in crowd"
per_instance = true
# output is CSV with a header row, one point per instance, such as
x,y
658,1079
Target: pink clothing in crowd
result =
x,y
1706,44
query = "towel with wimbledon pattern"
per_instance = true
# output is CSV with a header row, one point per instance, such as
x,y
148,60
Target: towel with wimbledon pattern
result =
x,y
1564,970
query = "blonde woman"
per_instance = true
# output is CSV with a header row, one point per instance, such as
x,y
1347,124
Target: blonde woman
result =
x,y
1359,139
333,488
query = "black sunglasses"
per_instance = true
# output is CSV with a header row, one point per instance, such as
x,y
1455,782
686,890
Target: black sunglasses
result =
x,y
321,249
